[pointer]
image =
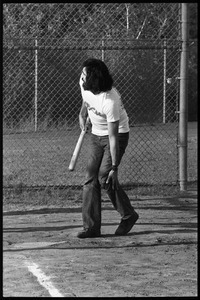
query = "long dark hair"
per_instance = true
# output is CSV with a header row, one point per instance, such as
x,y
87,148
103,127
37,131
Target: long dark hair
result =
x,y
98,78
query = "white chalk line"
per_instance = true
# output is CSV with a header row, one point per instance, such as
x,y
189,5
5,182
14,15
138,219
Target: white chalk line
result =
x,y
43,279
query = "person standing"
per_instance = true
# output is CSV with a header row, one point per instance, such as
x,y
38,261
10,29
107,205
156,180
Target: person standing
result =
x,y
102,103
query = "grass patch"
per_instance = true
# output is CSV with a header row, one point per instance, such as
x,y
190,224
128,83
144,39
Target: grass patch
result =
x,y
35,166
24,198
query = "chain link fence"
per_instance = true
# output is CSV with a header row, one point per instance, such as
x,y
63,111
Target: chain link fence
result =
x,y
44,46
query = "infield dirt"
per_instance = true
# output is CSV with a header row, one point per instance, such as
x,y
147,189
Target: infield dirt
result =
x,y
157,258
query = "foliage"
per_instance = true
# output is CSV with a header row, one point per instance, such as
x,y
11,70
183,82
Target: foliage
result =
x,y
83,20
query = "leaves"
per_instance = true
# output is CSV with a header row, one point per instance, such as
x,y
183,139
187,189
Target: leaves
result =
x,y
95,20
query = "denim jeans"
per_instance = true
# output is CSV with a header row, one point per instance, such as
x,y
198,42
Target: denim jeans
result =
x,y
98,168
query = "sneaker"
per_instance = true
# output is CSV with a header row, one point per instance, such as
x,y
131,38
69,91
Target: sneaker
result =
x,y
88,233
126,225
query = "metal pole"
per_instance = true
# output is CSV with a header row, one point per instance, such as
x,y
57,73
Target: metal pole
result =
x,y
164,82
183,105
36,83
127,17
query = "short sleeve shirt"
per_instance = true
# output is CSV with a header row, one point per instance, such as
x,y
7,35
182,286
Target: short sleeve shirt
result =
x,y
103,108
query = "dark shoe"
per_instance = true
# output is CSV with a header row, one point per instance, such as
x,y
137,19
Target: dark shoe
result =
x,y
88,233
126,225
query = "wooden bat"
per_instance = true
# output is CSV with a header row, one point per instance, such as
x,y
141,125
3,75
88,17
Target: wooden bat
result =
x,y
78,146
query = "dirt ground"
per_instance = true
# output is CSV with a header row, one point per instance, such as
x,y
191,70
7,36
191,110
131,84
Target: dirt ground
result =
x,y
157,258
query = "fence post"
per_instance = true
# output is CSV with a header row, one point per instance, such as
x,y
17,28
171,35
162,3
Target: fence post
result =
x,y
183,105
127,17
36,82
164,81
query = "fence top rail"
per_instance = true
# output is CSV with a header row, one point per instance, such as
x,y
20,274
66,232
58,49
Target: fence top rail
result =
x,y
90,44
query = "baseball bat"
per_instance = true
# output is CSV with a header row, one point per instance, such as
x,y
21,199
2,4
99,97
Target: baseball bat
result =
x,y
77,148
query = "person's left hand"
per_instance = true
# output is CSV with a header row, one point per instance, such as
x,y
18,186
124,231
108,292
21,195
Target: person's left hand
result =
x,y
113,177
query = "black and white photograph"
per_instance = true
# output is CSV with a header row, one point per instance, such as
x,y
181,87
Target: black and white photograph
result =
x,y
99,135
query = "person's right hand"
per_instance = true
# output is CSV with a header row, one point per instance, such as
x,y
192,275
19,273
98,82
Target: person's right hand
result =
x,y
82,121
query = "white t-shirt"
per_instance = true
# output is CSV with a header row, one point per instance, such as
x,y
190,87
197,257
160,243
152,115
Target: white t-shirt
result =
x,y
105,107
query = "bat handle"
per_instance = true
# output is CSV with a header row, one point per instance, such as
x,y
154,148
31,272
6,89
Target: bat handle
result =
x,y
86,123
78,147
